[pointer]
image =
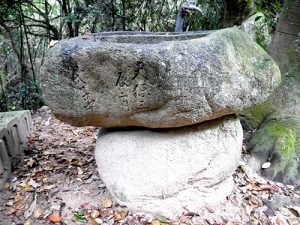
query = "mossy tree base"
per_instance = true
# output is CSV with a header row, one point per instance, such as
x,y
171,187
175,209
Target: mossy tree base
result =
x,y
277,141
277,126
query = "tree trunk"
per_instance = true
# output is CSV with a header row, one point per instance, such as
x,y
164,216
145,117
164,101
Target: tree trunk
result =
x,y
47,20
113,15
65,9
123,15
276,139
77,22
287,31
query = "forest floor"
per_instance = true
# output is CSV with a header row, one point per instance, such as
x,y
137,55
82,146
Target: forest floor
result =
x,y
58,183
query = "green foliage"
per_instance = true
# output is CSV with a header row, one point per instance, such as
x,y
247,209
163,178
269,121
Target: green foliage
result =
x,y
263,37
30,95
3,91
267,23
25,96
271,10
212,17
80,218
253,117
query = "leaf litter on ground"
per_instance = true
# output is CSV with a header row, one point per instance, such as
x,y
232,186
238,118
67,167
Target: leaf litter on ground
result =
x,y
58,183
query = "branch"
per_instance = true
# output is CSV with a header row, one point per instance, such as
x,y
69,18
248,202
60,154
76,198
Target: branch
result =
x,y
54,18
35,20
11,37
35,25
37,35
34,6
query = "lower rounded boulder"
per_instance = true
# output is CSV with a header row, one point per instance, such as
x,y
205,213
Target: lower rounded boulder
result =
x,y
170,171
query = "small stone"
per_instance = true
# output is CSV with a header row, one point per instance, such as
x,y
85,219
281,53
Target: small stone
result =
x,y
266,165
155,222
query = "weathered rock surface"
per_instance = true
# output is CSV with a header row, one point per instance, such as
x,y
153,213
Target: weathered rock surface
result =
x,y
170,170
156,80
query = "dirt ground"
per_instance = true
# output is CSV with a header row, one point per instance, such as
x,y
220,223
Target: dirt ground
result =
x,y
58,183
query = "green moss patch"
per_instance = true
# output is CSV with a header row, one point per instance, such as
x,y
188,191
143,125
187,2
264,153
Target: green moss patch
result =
x,y
279,140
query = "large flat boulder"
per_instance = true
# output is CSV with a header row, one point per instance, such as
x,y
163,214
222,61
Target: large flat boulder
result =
x,y
170,171
156,80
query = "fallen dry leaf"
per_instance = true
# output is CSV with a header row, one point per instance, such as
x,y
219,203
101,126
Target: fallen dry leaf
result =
x,y
30,162
155,222
266,187
9,203
31,209
107,203
55,217
295,210
120,215
10,211
27,187
255,201
92,221
184,219
6,185
29,221
85,204
175,223
38,212
33,184
19,197
48,187
279,221
75,162
105,213
79,171
22,185
86,192
98,221
294,221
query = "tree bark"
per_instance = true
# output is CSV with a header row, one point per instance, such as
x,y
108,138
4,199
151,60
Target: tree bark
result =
x,y
113,15
65,9
276,140
287,30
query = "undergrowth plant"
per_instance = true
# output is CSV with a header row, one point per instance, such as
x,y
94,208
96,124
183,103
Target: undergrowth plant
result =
x,y
265,25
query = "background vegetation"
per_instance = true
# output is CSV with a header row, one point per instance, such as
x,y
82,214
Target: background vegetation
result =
x,y
27,27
